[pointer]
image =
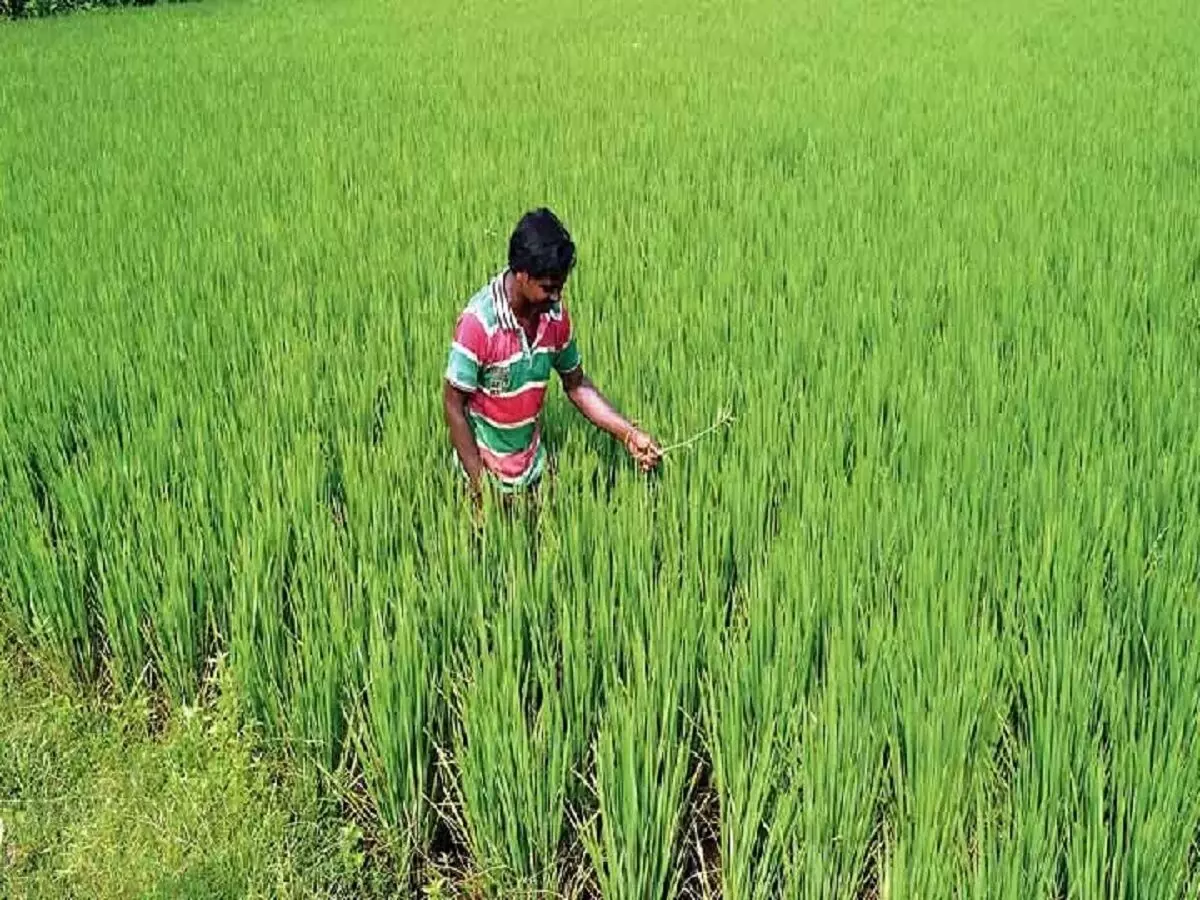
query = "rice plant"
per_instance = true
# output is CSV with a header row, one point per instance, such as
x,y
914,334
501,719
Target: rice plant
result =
x,y
912,297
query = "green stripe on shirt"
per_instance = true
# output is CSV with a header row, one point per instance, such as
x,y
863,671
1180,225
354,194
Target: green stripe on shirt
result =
x,y
568,358
499,439
462,370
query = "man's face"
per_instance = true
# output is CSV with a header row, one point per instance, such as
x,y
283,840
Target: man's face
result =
x,y
541,293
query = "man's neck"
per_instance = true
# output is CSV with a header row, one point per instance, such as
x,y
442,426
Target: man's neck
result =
x,y
519,308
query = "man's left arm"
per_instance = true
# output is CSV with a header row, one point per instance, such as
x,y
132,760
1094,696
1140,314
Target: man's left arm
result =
x,y
597,409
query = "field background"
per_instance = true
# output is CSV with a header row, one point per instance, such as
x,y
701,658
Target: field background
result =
x,y
107,797
922,623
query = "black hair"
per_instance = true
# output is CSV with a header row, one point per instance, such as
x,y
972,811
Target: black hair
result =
x,y
541,247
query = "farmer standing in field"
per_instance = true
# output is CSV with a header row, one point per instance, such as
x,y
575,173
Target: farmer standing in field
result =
x,y
506,341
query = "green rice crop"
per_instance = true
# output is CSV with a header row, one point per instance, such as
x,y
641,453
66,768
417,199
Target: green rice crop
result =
x,y
920,622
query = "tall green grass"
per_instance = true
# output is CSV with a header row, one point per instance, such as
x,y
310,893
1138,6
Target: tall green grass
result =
x,y
920,623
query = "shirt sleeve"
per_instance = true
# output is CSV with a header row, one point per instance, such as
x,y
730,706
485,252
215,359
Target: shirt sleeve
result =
x,y
567,359
467,351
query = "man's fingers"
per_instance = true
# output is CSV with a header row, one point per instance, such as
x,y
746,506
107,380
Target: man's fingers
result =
x,y
649,455
643,449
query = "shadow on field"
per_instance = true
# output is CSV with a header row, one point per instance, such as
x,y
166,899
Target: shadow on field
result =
x,y
42,9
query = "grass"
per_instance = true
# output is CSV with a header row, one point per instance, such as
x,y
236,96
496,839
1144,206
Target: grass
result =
x,y
105,799
915,622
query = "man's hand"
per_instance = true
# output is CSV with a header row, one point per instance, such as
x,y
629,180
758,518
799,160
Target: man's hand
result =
x,y
454,404
643,448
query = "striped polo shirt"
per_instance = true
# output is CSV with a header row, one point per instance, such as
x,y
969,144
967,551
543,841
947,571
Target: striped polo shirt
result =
x,y
506,375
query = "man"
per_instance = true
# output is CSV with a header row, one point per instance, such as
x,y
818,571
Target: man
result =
x,y
507,340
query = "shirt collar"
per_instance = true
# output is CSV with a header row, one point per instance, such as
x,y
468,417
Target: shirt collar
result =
x,y
500,303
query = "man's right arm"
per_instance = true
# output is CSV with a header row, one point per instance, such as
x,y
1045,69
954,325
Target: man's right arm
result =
x,y
454,403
